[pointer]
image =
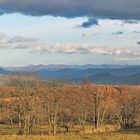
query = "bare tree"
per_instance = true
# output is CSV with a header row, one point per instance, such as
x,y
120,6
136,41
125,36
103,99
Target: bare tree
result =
x,y
51,97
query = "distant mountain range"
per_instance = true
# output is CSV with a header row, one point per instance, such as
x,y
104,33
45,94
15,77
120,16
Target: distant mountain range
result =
x,y
31,67
103,74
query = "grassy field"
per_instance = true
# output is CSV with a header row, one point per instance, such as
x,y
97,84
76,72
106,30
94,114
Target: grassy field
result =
x,y
109,136
6,133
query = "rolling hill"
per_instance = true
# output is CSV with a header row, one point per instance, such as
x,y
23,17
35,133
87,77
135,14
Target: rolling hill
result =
x,y
103,74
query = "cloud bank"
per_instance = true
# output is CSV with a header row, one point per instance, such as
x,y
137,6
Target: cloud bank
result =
x,y
118,9
34,45
68,48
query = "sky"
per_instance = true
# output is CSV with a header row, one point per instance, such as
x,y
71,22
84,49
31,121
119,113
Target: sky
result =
x,y
69,32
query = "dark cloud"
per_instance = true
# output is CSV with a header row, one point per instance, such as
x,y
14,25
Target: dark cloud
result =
x,y
117,9
90,23
138,42
131,22
118,33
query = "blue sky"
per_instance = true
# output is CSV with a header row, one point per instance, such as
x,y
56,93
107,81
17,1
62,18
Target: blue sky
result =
x,y
47,39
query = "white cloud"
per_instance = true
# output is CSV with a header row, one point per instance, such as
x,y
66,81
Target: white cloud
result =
x,y
19,42
82,49
16,42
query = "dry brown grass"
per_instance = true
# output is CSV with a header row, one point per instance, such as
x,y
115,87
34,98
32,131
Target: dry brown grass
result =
x,y
109,136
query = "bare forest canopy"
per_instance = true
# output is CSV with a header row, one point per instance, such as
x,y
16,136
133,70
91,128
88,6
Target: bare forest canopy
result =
x,y
33,106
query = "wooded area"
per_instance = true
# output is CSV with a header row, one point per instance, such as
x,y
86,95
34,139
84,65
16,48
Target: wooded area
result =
x,y
37,107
